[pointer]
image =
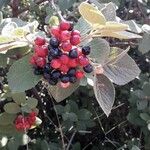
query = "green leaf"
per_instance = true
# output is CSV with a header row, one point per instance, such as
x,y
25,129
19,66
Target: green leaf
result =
x,y
65,4
21,76
54,146
104,92
6,119
83,26
145,116
135,148
73,106
8,130
12,108
144,44
59,94
3,60
109,11
70,116
84,114
142,104
32,102
60,109
146,89
100,50
81,126
134,27
121,71
19,98
76,146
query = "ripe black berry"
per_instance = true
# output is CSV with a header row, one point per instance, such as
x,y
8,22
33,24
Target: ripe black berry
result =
x,y
72,79
54,52
55,74
50,58
71,72
73,53
86,50
46,76
47,68
54,42
88,68
64,79
38,71
52,81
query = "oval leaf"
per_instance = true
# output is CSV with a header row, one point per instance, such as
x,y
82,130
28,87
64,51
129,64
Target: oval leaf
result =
x,y
104,92
19,98
121,71
12,108
32,102
21,76
60,94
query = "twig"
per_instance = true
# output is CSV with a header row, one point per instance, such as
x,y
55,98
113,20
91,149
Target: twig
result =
x,y
56,9
70,141
60,127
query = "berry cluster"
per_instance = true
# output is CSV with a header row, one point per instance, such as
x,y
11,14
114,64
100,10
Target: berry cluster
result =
x,y
61,59
25,123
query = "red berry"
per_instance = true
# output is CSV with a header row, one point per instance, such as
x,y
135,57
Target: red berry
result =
x,y
39,41
64,59
32,61
65,25
55,63
75,40
64,68
66,46
41,51
83,61
65,85
55,31
41,62
79,74
33,114
75,32
65,35
72,63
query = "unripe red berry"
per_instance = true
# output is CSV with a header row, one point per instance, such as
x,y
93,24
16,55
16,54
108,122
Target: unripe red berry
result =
x,y
55,31
75,32
41,51
55,63
75,40
64,59
65,35
64,85
64,68
79,74
72,63
83,61
41,62
66,46
39,41
32,61
65,25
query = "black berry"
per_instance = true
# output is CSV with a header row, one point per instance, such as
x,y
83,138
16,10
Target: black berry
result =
x,y
88,68
54,52
72,79
47,68
46,76
38,71
56,74
73,53
71,72
54,42
86,50
64,79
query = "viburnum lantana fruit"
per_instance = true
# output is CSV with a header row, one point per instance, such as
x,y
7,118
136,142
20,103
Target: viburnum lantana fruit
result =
x,y
61,59
23,123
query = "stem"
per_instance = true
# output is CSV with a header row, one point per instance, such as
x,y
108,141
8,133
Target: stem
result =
x,y
59,127
70,141
56,9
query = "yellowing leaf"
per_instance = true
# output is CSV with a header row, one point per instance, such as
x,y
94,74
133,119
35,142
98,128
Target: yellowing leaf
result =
x,y
18,32
54,21
91,14
114,26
